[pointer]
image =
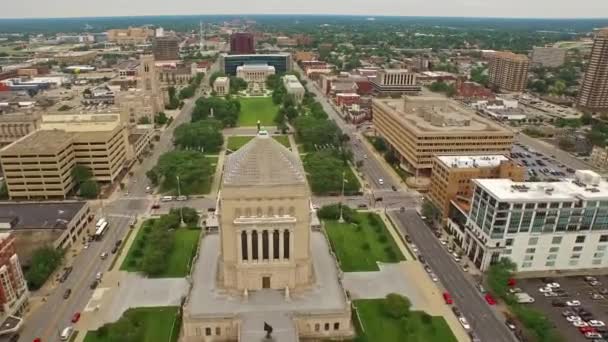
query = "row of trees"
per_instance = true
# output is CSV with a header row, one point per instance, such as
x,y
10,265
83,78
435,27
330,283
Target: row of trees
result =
x,y
151,251
225,110
194,170
86,185
327,169
441,87
189,91
204,136
174,101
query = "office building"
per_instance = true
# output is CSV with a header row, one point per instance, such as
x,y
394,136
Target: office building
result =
x,y
171,74
271,266
599,157
130,36
294,87
33,225
541,226
508,72
394,82
419,127
281,62
221,86
452,177
548,57
166,48
39,165
242,43
255,75
14,293
593,93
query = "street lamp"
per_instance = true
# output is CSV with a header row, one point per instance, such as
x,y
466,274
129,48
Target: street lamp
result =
x,y
181,213
341,219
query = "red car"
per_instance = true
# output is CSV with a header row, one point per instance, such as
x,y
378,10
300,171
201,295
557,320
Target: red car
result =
x,y
490,299
76,317
37,339
585,330
511,282
447,298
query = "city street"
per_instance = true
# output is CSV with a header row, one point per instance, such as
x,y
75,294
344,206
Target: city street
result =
x,y
486,323
47,321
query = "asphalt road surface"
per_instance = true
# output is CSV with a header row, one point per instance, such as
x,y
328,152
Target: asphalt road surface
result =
x,y
486,323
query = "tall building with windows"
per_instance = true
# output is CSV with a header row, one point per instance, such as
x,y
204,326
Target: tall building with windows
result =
x,y
242,43
166,48
593,94
540,226
508,72
14,293
394,82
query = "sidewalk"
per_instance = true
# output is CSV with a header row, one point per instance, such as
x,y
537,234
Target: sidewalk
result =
x,y
217,177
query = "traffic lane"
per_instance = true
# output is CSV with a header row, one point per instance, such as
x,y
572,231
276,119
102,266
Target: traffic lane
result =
x,y
81,291
486,324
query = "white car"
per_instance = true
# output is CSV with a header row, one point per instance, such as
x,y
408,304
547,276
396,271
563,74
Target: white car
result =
x,y
433,277
550,294
465,324
515,290
98,275
595,323
573,303
86,245
595,283
553,285
414,248
381,181
580,324
592,335
443,242
545,289
573,318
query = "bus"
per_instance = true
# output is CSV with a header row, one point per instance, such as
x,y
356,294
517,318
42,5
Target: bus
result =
x,y
100,222
101,230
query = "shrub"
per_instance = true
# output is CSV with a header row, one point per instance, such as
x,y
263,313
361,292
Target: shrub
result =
x,y
396,306
366,246
382,238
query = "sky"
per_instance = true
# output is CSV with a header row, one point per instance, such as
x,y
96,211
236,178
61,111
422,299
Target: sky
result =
x,y
457,8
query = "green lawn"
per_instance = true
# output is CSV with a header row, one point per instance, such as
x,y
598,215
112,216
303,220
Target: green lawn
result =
x,y
257,108
358,249
380,327
184,244
237,141
156,324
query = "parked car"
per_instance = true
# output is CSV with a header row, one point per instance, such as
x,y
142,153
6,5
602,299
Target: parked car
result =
x,y
408,239
75,317
465,324
510,324
573,303
592,334
67,293
114,249
490,299
421,258
447,298
456,311
433,277
596,323
573,318
94,284
103,255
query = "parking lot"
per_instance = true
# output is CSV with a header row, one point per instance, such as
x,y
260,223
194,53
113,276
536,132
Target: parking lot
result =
x,y
542,167
571,289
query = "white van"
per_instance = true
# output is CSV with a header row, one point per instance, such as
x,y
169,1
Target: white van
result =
x,y
66,333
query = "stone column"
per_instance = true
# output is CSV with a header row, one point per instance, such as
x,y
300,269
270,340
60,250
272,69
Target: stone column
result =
x,y
249,249
260,252
271,245
239,246
281,247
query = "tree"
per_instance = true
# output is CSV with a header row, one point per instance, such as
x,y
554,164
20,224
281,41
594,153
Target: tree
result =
x,y
237,84
224,110
89,189
3,191
314,132
214,76
204,135
429,210
190,215
380,144
187,92
44,262
396,306
192,167
81,174
144,120
325,169
160,118
272,81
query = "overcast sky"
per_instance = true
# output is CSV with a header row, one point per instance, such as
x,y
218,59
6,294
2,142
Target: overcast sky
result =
x,y
460,8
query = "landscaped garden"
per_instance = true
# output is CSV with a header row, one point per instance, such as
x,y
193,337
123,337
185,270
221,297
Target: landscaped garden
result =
x,y
361,241
257,108
155,324
161,248
326,169
390,320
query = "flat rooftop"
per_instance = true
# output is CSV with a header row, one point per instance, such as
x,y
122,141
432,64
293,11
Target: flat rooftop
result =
x,y
47,215
566,190
39,142
466,162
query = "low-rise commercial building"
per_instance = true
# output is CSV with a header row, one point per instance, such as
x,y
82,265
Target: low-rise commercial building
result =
x,y
37,224
548,57
395,82
294,87
452,177
540,226
418,127
14,293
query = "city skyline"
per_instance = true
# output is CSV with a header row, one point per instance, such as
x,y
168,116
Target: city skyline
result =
x,y
440,8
